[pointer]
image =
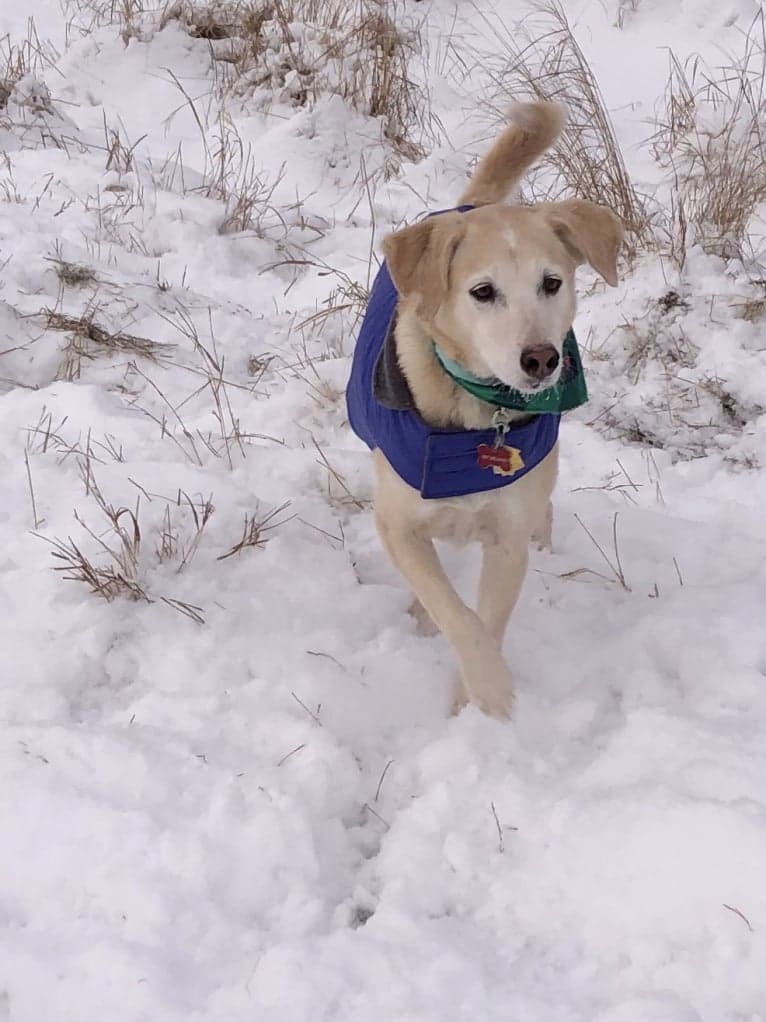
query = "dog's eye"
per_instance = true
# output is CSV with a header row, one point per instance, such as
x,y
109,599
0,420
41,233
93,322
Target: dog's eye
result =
x,y
550,284
484,293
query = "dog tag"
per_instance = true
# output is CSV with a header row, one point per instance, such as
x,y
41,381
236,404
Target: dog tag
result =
x,y
503,460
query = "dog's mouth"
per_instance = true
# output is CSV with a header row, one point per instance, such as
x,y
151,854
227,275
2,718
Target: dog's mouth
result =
x,y
547,386
536,386
530,386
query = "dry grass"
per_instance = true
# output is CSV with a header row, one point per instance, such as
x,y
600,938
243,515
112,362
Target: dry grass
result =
x,y
112,563
120,154
232,177
710,135
301,49
654,339
17,60
625,8
294,51
45,437
108,581
587,160
119,575
85,15
614,561
346,303
731,410
348,297
339,494
256,528
228,441
752,310
179,540
87,340
72,274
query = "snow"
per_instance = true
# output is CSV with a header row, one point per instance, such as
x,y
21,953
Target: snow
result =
x,y
272,814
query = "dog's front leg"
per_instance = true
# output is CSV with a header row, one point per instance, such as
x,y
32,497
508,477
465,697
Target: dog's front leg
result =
x,y
504,565
485,675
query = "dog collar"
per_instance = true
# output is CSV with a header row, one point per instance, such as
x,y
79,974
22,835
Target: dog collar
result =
x,y
569,392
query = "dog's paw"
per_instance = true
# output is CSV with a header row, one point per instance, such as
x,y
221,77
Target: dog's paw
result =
x,y
496,702
423,618
543,544
490,686
542,536
459,701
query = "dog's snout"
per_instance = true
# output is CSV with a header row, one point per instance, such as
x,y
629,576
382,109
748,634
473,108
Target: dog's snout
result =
x,y
539,361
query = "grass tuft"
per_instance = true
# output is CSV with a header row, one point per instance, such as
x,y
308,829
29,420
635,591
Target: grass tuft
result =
x,y
587,160
87,339
256,528
710,137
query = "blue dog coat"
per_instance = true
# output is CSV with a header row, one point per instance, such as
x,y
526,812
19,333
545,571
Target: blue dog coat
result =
x,y
436,462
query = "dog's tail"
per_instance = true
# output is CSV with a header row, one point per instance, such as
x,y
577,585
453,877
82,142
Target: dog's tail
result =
x,y
534,128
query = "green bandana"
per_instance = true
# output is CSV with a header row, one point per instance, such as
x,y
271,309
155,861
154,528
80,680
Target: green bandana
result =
x,y
569,392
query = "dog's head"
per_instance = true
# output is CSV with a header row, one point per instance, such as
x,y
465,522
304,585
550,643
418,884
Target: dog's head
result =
x,y
495,285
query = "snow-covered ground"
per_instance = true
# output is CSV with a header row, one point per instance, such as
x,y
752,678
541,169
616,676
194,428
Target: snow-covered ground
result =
x,y
242,795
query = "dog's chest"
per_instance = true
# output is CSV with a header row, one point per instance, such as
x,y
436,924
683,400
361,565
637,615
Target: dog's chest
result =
x,y
508,513
478,517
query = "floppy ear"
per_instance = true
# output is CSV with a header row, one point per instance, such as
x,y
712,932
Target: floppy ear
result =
x,y
592,234
419,259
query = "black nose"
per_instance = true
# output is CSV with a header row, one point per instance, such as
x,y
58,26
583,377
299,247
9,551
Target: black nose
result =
x,y
539,361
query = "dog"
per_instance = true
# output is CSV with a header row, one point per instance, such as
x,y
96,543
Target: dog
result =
x,y
465,335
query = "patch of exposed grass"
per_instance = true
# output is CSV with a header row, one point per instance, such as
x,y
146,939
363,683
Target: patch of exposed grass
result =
x,y
87,340
710,136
